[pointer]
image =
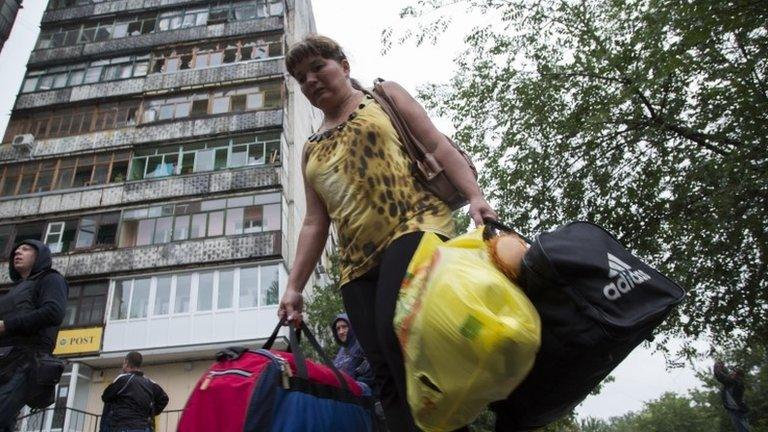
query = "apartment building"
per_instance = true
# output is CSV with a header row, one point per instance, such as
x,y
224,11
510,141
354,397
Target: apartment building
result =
x,y
155,147
8,11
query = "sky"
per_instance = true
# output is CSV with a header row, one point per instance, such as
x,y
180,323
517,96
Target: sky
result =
x,y
357,26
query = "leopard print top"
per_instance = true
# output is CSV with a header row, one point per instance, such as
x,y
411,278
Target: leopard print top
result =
x,y
363,175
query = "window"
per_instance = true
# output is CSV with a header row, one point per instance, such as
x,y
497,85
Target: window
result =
x,y
106,234
183,290
199,219
205,291
226,289
63,173
6,239
140,298
181,228
85,304
73,121
199,222
269,286
61,235
220,105
162,295
249,287
266,96
163,230
97,230
30,231
213,289
86,234
120,300
10,180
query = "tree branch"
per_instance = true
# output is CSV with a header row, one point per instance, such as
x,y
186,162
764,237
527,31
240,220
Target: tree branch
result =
x,y
699,138
760,83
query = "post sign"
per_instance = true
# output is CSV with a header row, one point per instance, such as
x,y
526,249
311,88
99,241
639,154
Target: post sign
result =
x,y
78,341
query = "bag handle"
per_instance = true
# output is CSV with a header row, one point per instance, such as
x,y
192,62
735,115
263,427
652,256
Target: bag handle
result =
x,y
414,147
491,225
294,342
318,349
271,341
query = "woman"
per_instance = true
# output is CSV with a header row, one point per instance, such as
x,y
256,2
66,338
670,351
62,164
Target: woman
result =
x,y
358,176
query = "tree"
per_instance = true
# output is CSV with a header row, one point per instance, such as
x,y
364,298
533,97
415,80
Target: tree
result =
x,y
702,408
645,116
322,306
668,413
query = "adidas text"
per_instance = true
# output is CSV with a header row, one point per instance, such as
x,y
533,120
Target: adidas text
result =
x,y
625,278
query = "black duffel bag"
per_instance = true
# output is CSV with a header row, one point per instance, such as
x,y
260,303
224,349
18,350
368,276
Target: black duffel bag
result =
x,y
597,302
45,372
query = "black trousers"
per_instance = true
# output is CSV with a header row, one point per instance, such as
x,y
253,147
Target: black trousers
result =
x,y
370,304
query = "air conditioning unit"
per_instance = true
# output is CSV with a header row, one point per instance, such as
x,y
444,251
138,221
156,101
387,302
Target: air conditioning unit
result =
x,y
25,142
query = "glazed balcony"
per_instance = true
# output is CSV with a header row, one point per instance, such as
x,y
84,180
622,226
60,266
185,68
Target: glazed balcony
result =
x,y
145,42
115,196
143,259
154,83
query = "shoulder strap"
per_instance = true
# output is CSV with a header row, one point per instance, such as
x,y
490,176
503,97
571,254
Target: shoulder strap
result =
x,y
415,148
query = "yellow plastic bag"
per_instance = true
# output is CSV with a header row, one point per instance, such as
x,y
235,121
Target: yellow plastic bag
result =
x,y
469,335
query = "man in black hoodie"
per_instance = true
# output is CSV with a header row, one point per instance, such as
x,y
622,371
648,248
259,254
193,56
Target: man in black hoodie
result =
x,y
30,316
133,398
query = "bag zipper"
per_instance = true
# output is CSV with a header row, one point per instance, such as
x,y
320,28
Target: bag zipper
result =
x,y
285,368
214,374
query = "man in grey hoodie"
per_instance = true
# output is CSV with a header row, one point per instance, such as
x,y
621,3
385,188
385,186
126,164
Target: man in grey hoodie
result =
x,y
30,316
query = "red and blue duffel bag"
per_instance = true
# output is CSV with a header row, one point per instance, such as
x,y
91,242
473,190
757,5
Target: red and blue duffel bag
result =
x,y
274,391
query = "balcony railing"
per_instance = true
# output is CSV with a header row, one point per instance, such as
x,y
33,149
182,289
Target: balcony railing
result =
x,y
204,251
41,57
72,420
58,419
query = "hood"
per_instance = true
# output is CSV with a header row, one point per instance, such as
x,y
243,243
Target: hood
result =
x,y
42,263
350,334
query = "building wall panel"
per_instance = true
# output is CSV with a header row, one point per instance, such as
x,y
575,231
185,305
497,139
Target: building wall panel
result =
x,y
152,133
143,42
201,184
151,258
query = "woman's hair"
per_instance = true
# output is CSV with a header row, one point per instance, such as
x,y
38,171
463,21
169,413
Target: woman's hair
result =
x,y
313,45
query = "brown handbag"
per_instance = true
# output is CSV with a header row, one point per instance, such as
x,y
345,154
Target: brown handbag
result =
x,y
426,168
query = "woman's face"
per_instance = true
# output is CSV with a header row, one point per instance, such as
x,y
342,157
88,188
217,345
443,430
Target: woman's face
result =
x,y
323,81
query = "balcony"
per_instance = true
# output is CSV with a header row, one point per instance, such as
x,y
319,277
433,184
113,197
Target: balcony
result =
x,y
246,247
153,83
200,184
144,327
121,138
109,7
144,42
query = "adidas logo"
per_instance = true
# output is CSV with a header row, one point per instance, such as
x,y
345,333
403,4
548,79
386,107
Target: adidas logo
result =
x,y
624,278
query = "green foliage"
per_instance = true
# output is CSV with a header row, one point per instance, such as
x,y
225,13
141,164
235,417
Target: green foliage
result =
x,y
645,116
322,306
702,409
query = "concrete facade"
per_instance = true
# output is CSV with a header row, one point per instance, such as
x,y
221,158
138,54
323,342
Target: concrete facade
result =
x,y
8,11
190,256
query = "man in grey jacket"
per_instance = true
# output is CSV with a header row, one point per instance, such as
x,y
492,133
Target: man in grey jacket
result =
x,y
30,316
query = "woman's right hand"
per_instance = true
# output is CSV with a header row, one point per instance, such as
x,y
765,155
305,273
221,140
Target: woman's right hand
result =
x,y
291,306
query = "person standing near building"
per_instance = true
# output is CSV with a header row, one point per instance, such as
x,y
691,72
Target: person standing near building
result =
x,y
733,395
350,359
30,316
358,176
134,399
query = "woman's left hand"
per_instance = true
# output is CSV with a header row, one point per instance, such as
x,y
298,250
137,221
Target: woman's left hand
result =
x,y
479,209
